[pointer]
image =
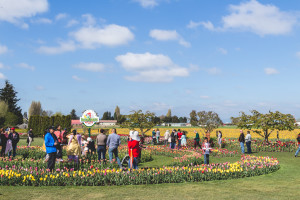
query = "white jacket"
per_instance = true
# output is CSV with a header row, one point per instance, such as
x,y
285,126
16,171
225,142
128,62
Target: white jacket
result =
x,y
167,135
248,138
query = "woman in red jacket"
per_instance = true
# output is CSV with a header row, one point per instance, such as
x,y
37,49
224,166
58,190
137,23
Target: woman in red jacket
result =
x,y
134,150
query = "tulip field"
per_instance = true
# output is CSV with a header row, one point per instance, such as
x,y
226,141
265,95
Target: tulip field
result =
x,y
226,132
271,170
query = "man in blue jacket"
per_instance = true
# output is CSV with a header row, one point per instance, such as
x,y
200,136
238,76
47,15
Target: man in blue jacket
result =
x,y
51,143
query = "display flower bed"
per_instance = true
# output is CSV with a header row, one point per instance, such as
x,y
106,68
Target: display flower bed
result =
x,y
248,166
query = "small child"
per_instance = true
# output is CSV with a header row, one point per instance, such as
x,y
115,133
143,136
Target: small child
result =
x,y
84,146
206,150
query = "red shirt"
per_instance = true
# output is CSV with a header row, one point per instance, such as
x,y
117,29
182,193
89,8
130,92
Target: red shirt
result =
x,y
179,134
58,135
135,146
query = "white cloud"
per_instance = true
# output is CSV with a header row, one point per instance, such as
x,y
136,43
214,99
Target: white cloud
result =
x,y
76,78
213,70
61,16
14,11
41,21
147,3
271,71
71,23
165,35
26,66
204,97
3,49
94,67
222,51
261,19
2,76
63,47
39,88
89,20
151,67
208,25
2,66
110,35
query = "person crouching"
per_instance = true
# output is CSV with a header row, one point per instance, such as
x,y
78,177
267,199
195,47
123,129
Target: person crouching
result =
x,y
134,150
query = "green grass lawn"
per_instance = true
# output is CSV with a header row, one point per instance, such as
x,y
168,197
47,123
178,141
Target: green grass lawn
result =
x,y
283,184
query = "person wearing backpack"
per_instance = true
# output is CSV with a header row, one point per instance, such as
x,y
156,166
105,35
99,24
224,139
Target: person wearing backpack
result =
x,y
298,150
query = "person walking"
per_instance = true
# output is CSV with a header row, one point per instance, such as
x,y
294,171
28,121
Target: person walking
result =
x,y
113,142
183,139
157,135
3,140
197,140
51,143
242,141
206,150
167,136
220,139
74,146
101,145
179,134
134,150
248,142
15,138
59,137
298,140
30,137
153,137
173,140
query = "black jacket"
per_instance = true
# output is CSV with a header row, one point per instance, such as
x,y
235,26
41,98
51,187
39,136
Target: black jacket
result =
x,y
14,139
173,137
242,138
3,140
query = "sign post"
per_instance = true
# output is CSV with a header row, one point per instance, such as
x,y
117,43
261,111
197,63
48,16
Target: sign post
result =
x,y
89,118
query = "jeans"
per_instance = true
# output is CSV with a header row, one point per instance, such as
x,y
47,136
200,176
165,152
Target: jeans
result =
x,y
134,163
172,145
153,140
298,150
59,151
101,152
14,146
166,142
179,143
115,152
206,159
248,144
51,161
242,147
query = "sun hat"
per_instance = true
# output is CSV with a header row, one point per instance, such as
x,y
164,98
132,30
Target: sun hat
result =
x,y
13,128
89,139
135,136
130,133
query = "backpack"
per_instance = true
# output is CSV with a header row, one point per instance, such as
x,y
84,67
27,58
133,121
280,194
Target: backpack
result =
x,y
65,139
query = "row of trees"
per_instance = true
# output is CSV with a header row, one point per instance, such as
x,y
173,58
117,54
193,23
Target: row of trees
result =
x,y
40,123
262,124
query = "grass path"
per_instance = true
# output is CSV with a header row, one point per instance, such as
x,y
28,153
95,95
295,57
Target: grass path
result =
x,y
283,184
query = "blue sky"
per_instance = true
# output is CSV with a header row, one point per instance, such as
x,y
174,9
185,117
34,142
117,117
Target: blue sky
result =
x,y
226,56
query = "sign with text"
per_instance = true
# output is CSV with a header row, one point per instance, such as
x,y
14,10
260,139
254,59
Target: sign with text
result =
x,y
89,118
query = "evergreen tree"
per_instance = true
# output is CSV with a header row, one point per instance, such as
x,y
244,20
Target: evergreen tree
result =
x,y
73,114
193,118
35,108
9,95
117,113
169,114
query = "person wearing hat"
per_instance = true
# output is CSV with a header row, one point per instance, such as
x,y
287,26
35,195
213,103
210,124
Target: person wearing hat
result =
x,y
134,150
15,138
51,143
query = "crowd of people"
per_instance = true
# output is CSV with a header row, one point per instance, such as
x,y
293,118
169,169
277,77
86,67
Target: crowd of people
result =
x,y
76,145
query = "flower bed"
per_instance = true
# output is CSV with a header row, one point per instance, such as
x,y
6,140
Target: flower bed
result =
x,y
248,166
259,145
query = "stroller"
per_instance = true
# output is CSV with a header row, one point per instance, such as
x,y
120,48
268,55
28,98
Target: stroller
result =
x,y
126,158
